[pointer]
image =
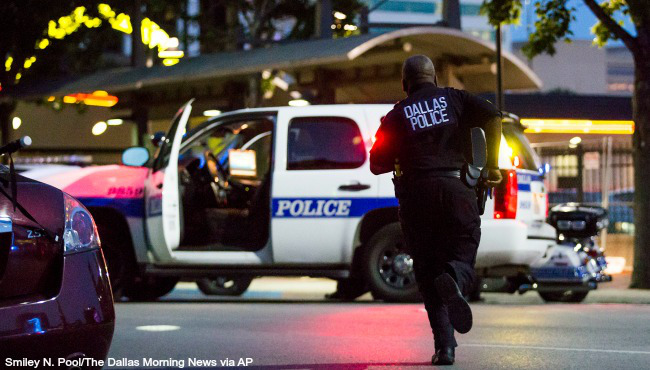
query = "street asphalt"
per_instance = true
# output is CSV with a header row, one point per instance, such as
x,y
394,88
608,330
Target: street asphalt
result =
x,y
286,324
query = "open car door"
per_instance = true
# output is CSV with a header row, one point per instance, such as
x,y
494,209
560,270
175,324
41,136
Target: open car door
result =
x,y
162,198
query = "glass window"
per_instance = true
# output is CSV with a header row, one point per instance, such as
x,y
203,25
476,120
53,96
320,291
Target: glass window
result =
x,y
324,143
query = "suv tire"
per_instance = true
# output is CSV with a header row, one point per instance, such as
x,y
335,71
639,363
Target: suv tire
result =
x,y
388,269
224,285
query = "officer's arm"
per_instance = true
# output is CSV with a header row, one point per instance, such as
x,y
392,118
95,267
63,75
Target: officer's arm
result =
x,y
384,150
485,115
492,130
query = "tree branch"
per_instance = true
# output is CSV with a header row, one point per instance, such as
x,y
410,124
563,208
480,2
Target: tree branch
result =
x,y
629,40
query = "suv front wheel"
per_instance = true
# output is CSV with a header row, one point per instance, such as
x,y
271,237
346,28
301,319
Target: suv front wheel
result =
x,y
388,269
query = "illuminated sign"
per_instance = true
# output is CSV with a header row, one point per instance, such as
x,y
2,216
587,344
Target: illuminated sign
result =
x,y
578,126
98,98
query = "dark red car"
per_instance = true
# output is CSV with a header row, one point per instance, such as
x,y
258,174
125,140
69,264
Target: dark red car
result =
x,y
55,294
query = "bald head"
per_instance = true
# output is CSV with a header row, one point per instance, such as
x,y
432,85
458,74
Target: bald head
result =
x,y
416,70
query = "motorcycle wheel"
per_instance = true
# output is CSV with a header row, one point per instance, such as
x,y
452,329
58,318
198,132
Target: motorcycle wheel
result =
x,y
224,285
568,296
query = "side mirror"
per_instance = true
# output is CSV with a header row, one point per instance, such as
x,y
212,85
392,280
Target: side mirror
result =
x,y
136,156
157,138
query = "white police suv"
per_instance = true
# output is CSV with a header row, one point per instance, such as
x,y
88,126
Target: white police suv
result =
x,y
288,191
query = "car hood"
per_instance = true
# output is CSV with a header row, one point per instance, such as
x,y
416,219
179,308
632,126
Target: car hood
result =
x,y
110,181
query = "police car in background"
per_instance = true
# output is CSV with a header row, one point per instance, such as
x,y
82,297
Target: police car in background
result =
x,y
286,191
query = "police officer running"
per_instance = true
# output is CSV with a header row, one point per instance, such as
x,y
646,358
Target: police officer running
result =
x,y
425,141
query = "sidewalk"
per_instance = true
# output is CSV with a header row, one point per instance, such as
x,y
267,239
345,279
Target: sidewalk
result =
x,y
313,289
613,292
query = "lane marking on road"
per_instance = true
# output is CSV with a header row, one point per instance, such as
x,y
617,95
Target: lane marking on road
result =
x,y
158,327
556,348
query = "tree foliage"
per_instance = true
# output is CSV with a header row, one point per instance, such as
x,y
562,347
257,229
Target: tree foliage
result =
x,y
553,21
230,24
610,8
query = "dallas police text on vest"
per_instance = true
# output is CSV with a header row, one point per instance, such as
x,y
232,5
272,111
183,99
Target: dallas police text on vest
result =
x,y
427,113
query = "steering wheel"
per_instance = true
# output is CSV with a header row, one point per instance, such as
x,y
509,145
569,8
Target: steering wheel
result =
x,y
219,180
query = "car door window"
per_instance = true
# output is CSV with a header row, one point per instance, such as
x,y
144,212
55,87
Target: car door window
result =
x,y
324,143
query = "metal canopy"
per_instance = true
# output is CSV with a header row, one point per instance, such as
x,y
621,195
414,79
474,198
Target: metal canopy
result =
x,y
367,67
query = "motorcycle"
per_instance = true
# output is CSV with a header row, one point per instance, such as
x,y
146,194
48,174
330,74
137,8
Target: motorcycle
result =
x,y
576,263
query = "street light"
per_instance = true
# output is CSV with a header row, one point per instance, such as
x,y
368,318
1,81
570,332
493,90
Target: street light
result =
x,y
99,128
16,122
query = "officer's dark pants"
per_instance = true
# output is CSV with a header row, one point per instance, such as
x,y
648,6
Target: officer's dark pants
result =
x,y
441,223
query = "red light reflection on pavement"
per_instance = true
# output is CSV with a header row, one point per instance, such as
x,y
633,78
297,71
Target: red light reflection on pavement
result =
x,y
380,335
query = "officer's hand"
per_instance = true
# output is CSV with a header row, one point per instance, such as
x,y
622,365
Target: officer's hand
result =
x,y
494,177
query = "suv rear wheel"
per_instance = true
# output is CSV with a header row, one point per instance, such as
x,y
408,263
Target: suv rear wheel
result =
x,y
388,269
224,285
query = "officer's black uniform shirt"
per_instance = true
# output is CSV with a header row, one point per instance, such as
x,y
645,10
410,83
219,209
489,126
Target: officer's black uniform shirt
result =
x,y
430,129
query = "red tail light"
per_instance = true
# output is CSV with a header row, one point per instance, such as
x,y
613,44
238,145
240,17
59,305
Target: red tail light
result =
x,y
505,197
546,196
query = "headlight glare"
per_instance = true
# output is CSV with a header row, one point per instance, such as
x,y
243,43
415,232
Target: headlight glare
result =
x,y
80,232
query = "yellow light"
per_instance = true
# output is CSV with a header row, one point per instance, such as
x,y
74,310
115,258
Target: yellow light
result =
x,y
171,54
28,62
158,37
8,63
508,151
339,15
98,98
577,126
105,10
298,103
145,30
169,62
19,76
122,23
43,44
16,122
100,102
99,128
211,112
51,98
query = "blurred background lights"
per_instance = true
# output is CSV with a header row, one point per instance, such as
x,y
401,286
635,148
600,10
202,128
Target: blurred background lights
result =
x,y
115,121
575,140
298,103
339,15
211,112
16,122
99,128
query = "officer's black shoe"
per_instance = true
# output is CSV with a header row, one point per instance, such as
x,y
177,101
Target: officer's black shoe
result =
x,y
460,314
443,356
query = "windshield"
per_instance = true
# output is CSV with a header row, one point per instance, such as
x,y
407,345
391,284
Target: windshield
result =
x,y
516,151
164,150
